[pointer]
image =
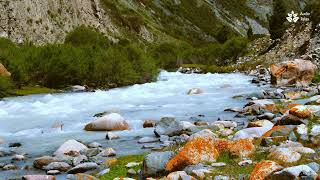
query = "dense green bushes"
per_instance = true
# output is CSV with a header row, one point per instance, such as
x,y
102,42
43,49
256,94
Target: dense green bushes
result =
x,y
88,58
85,58
313,7
5,86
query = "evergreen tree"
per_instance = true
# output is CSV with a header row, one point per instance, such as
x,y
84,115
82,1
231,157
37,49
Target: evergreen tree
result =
x,y
277,21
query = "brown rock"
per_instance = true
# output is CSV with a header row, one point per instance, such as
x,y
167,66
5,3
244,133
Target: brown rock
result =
x,y
43,161
4,72
195,151
263,169
201,123
149,124
298,71
109,122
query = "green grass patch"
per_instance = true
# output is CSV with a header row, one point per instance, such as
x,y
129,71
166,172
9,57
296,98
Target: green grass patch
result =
x,y
27,90
120,170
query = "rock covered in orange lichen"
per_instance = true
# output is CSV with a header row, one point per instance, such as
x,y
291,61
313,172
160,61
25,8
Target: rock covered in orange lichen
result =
x,y
242,147
222,145
264,169
195,151
300,111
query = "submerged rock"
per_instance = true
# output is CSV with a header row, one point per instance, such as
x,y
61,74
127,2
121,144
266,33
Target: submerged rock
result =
x,y
111,136
149,123
70,146
195,91
109,122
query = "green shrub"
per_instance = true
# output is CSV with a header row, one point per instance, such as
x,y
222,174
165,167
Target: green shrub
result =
x,y
313,7
5,86
233,49
85,36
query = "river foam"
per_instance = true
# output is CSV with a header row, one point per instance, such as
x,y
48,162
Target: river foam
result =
x,y
30,118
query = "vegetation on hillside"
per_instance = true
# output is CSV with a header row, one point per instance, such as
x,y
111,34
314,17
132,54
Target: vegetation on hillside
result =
x,y
277,21
89,58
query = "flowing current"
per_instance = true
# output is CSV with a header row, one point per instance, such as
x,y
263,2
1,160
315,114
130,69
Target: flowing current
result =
x,y
29,119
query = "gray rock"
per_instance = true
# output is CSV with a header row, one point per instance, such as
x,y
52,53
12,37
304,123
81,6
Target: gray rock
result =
x,y
93,152
61,166
18,157
80,159
10,167
267,116
148,140
314,166
107,152
84,167
155,163
131,172
94,145
189,169
164,138
103,172
168,126
220,177
81,176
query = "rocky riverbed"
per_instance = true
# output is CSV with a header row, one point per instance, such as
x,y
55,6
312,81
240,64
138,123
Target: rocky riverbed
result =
x,y
248,130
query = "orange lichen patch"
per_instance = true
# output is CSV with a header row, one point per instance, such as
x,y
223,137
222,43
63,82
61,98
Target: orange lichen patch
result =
x,y
293,95
300,111
273,129
291,105
111,162
195,151
269,107
242,147
222,145
264,169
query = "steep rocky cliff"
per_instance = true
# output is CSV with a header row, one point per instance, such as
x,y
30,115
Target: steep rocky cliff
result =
x,y
146,20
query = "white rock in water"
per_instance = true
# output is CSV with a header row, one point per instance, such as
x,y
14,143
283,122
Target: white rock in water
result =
x,y
70,146
194,91
111,136
109,122
107,152
94,145
18,157
187,125
78,88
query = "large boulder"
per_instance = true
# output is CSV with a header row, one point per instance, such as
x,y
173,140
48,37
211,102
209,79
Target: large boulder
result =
x,y
70,146
298,71
195,151
242,148
263,169
109,122
4,71
168,126
155,163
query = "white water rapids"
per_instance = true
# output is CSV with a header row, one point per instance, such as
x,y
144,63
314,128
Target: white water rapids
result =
x,y
28,119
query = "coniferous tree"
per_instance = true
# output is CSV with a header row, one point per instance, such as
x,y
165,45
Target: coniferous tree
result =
x,y
277,20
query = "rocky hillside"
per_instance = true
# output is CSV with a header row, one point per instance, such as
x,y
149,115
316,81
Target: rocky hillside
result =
x,y
144,20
